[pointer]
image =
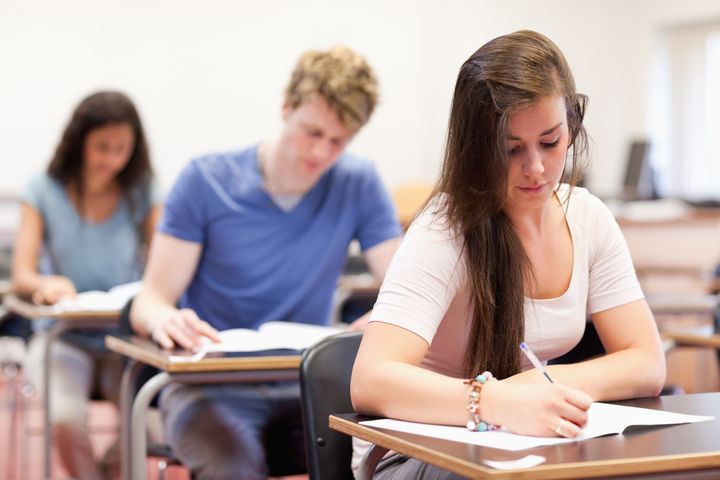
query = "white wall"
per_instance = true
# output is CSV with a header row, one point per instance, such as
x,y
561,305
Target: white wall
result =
x,y
209,75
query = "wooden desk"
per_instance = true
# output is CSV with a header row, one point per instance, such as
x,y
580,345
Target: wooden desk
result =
x,y
693,337
221,369
64,321
688,245
680,451
34,312
683,304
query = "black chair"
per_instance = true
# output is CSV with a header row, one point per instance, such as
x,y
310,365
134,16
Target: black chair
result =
x,y
354,304
325,388
591,346
588,347
12,325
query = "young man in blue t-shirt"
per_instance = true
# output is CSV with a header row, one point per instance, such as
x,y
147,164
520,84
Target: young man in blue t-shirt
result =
x,y
257,235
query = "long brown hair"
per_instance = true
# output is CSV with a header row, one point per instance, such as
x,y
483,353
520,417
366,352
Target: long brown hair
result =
x,y
98,110
504,75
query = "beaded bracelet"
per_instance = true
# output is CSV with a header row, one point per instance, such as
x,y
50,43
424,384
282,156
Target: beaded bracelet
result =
x,y
474,423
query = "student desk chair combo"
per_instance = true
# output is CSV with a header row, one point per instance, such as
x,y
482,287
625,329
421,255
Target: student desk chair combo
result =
x,y
688,451
173,368
681,451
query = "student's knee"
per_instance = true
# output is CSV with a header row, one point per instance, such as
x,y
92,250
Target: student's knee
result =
x,y
212,440
230,469
184,414
68,430
68,411
218,447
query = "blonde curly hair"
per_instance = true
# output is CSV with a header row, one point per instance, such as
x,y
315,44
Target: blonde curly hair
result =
x,y
342,78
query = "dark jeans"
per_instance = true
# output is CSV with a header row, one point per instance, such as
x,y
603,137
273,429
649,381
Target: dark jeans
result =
x,y
232,431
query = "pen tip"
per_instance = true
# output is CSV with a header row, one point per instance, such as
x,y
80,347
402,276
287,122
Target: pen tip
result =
x,y
523,346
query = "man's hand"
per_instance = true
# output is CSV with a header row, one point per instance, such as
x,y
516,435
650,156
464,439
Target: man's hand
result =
x,y
184,329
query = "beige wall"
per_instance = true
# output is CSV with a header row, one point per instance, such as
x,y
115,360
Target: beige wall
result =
x,y
209,75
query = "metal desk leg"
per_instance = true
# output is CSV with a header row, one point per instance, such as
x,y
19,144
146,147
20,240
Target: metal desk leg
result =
x,y
55,331
127,393
369,462
138,436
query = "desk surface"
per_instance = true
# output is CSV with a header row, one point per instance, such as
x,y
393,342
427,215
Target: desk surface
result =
x,y
362,282
686,244
702,336
699,303
32,311
639,450
147,352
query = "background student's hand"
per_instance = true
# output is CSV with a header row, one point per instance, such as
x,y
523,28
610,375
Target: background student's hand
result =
x,y
52,289
535,409
183,328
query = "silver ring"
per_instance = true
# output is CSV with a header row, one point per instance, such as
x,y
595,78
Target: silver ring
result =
x,y
559,428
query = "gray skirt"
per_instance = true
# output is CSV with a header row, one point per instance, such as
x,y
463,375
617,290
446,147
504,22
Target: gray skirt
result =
x,y
400,467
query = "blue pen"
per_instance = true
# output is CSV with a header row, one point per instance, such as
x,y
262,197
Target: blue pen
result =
x,y
535,361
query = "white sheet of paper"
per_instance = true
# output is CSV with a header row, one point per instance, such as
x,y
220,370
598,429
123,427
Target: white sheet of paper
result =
x,y
603,419
528,461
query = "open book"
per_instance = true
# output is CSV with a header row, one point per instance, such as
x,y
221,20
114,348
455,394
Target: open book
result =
x,y
99,301
603,419
270,336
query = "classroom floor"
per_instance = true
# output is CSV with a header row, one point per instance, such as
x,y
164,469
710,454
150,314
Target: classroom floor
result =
x,y
21,433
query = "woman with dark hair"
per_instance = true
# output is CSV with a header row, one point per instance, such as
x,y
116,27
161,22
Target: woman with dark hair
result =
x,y
506,253
84,226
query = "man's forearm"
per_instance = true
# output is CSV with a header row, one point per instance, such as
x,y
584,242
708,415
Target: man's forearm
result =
x,y
147,310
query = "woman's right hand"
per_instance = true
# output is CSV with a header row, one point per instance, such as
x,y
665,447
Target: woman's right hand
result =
x,y
542,410
183,328
52,289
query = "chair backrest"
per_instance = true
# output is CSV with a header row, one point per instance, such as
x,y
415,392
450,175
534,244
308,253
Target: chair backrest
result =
x,y
325,385
408,199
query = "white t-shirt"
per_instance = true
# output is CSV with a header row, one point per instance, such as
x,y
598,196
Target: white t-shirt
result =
x,y
425,287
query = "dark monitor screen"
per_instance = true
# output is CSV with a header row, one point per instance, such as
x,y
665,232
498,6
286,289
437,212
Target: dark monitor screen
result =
x,y
639,182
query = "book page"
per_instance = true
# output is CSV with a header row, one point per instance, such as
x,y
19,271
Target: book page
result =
x,y
240,340
99,301
603,419
298,336
271,336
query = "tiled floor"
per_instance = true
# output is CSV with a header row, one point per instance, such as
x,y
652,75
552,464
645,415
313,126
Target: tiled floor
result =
x,y
21,433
